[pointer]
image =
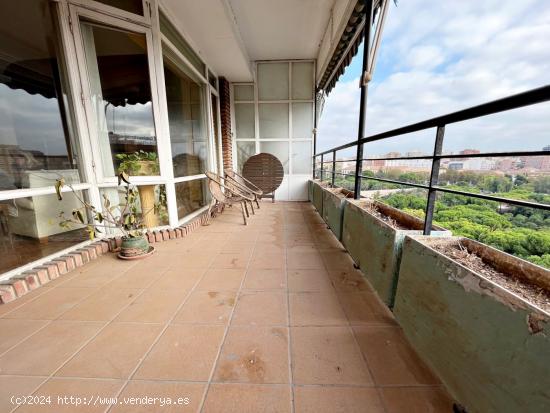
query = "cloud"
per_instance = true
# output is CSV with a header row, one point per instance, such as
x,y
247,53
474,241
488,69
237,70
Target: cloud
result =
x,y
438,57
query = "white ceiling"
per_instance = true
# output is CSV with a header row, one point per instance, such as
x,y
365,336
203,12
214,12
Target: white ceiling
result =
x,y
230,34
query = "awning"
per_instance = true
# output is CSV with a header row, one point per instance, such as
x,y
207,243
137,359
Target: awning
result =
x,y
351,39
121,83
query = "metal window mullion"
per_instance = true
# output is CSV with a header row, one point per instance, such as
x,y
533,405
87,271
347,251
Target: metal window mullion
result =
x,y
434,177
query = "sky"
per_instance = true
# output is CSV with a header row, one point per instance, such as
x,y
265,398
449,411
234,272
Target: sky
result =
x,y
437,57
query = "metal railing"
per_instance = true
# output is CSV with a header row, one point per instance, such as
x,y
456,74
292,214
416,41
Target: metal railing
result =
x,y
527,98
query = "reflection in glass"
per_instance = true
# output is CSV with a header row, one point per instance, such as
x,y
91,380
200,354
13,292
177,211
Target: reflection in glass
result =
x,y
149,196
245,149
185,102
120,93
190,196
36,142
30,230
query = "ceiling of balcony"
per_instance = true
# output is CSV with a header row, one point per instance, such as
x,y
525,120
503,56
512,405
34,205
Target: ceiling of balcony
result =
x,y
230,34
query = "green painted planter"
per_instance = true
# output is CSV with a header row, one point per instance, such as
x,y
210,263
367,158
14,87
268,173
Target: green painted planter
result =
x,y
375,246
334,200
317,195
489,346
134,246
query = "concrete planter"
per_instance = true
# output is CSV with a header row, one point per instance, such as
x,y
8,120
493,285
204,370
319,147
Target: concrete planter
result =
x,y
334,200
376,246
490,346
317,195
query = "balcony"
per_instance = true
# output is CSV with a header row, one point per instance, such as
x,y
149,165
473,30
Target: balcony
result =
x,y
266,317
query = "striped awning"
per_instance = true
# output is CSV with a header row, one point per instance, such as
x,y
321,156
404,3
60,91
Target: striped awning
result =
x,y
349,43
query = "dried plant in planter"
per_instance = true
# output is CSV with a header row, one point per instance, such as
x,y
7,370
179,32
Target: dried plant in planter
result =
x,y
125,217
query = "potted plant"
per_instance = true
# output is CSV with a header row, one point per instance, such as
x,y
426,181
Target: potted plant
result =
x,y
141,163
125,217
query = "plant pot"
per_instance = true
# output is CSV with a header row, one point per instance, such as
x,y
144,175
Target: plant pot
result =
x,y
148,168
488,344
134,246
334,200
376,246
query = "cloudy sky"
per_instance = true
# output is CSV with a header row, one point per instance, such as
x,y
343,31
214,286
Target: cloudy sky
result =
x,y
440,56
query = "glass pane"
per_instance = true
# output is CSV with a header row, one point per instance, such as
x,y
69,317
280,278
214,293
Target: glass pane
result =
x,y
35,123
212,80
132,6
121,96
273,119
179,42
302,80
243,92
30,228
273,81
301,157
279,150
190,196
149,197
244,121
245,149
188,138
302,120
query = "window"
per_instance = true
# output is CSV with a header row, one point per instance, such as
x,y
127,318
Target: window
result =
x,y
185,100
179,43
30,228
120,89
36,140
190,196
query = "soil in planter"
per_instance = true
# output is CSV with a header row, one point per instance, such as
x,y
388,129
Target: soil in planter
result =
x,y
374,210
458,252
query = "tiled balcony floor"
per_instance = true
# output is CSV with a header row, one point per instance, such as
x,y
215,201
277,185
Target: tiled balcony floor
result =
x,y
269,317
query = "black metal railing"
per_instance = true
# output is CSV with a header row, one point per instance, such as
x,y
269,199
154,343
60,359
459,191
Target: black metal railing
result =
x,y
528,98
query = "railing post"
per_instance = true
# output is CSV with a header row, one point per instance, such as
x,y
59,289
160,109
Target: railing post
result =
x,y
333,167
363,101
358,172
322,168
434,177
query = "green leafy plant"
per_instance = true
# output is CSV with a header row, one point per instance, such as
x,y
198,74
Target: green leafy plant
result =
x,y
133,163
125,216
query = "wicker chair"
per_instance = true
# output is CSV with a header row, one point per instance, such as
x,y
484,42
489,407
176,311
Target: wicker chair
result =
x,y
244,184
226,196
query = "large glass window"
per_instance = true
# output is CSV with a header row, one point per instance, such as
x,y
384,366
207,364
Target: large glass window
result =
x,y
30,228
120,88
36,144
190,196
185,99
151,204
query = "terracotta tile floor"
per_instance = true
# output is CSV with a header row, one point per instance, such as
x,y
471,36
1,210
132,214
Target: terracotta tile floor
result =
x,y
269,317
